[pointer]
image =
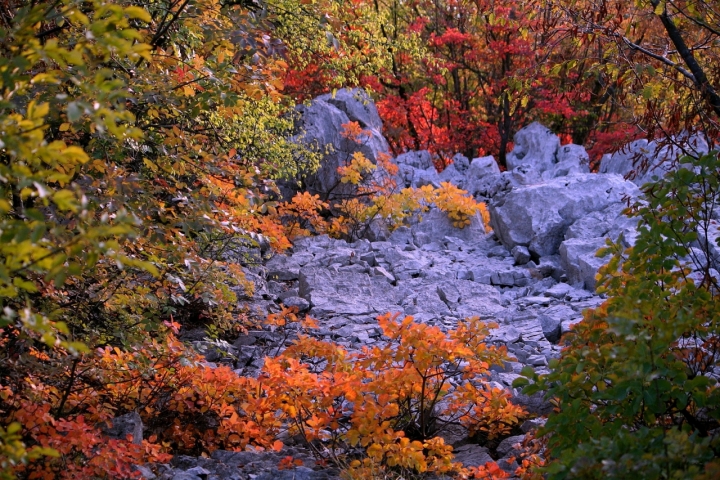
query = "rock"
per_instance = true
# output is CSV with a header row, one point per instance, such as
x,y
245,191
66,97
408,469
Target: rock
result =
x,y
282,268
510,278
185,476
567,325
472,455
521,255
300,303
357,105
535,147
570,159
461,162
320,125
401,236
381,272
482,167
558,290
425,177
298,473
421,160
452,175
529,327
491,188
551,266
532,424
508,444
436,225
578,256
551,327
145,472
537,360
534,404
124,425
505,334
641,160
538,216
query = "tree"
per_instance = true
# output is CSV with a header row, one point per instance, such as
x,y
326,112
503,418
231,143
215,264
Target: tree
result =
x,y
663,54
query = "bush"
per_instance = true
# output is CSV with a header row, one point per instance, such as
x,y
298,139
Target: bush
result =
x,y
392,402
636,387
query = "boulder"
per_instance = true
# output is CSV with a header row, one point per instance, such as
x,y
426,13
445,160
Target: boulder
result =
x,y
451,174
641,160
472,455
420,160
482,167
358,107
461,163
508,444
320,125
536,147
570,159
425,177
538,216
344,292
580,262
521,255
586,236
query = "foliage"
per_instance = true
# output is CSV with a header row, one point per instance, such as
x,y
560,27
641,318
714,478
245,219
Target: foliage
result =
x,y
374,196
392,401
636,387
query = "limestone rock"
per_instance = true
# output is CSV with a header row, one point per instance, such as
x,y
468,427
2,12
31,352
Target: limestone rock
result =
x,y
570,159
580,262
124,425
641,160
320,125
535,147
538,216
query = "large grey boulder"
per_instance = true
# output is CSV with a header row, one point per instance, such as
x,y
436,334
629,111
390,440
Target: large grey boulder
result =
x,y
482,167
320,125
641,160
535,146
570,159
416,169
538,216
586,236
358,106
581,263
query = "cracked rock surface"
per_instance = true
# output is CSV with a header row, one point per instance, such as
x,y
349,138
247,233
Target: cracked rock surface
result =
x,y
532,275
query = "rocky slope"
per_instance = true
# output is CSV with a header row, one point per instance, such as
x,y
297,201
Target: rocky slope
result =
x,y
533,272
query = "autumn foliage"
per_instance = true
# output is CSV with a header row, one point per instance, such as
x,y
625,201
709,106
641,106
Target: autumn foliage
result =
x,y
140,146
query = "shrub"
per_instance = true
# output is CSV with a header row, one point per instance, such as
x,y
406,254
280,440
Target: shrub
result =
x,y
392,401
636,387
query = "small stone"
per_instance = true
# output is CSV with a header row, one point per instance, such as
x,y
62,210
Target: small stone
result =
x,y
369,257
537,360
381,272
507,445
124,425
559,290
145,472
472,455
521,255
298,302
